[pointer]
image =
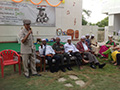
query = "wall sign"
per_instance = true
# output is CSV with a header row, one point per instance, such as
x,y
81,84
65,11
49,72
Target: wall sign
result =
x,y
14,14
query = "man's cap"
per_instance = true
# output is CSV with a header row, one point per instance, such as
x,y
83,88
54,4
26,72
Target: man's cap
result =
x,y
92,35
43,39
83,37
110,36
68,38
87,35
26,21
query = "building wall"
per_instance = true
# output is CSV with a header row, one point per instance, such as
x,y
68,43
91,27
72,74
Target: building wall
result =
x,y
63,21
114,21
111,20
111,6
117,22
90,30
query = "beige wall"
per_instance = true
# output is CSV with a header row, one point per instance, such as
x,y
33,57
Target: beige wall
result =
x,y
90,30
63,21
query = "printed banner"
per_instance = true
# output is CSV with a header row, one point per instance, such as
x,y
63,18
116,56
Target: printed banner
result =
x,y
15,13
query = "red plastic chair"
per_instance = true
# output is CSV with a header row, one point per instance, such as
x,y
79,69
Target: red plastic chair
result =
x,y
7,57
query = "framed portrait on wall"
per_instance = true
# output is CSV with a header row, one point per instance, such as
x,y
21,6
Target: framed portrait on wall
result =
x,y
59,32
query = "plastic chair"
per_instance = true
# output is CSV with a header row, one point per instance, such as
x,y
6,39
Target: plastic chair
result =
x,y
9,57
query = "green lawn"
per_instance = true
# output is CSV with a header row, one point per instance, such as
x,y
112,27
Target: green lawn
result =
x,y
107,78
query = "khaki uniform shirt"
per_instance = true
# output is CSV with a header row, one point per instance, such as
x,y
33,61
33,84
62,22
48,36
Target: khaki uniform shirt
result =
x,y
28,46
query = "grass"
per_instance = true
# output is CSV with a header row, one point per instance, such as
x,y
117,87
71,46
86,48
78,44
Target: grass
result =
x,y
107,78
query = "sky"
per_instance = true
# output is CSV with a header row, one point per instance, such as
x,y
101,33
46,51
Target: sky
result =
x,y
96,7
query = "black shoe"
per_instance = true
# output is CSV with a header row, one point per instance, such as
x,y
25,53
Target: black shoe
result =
x,y
63,70
92,66
36,75
69,68
102,65
26,76
56,70
52,71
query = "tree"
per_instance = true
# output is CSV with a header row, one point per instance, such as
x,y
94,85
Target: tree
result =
x,y
103,22
85,13
84,22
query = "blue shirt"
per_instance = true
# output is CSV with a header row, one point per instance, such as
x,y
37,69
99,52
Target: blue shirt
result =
x,y
88,41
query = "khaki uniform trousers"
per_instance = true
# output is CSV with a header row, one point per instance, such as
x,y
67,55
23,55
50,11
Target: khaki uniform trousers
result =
x,y
31,59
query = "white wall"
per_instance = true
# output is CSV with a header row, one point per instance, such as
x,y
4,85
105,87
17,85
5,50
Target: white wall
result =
x,y
63,21
111,6
114,21
106,34
90,30
111,20
117,22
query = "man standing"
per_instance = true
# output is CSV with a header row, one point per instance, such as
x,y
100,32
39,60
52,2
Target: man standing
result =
x,y
28,49
83,48
47,52
59,50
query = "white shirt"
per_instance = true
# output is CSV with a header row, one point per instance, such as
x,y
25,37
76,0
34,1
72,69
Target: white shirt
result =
x,y
48,50
85,46
70,47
